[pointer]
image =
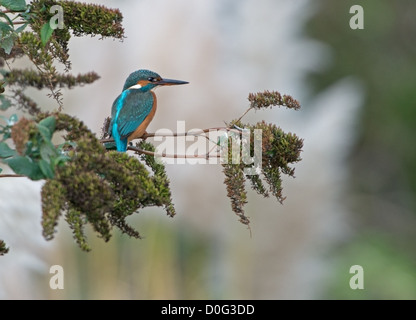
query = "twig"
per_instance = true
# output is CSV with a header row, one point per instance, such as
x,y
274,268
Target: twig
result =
x,y
244,114
174,156
12,176
11,11
193,133
181,134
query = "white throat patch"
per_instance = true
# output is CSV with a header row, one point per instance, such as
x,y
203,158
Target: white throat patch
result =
x,y
136,86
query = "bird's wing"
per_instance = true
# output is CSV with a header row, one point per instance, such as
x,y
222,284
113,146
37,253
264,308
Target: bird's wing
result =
x,y
135,108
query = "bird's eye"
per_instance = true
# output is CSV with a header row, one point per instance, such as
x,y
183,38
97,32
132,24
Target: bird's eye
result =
x,y
151,79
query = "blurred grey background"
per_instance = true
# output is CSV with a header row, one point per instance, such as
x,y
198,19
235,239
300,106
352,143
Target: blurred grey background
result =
x,y
352,201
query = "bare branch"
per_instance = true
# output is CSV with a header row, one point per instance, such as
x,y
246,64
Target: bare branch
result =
x,y
181,134
239,119
12,176
174,156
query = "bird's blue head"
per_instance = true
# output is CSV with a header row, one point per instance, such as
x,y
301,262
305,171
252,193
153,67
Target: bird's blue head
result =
x,y
146,80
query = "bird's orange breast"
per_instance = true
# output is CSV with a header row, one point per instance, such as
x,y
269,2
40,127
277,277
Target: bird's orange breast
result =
x,y
141,129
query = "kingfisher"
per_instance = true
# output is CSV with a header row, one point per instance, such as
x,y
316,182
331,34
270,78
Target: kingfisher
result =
x,y
135,107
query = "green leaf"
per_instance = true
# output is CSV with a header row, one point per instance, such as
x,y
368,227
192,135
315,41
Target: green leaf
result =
x,y
45,33
14,5
60,160
46,169
47,151
5,103
6,151
44,132
1,170
49,122
5,27
7,43
36,173
21,28
25,166
20,165
5,16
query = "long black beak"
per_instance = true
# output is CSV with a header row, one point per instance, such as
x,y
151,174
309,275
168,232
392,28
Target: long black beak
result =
x,y
170,82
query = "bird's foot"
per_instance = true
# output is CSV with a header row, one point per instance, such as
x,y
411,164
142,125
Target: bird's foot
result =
x,y
144,136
